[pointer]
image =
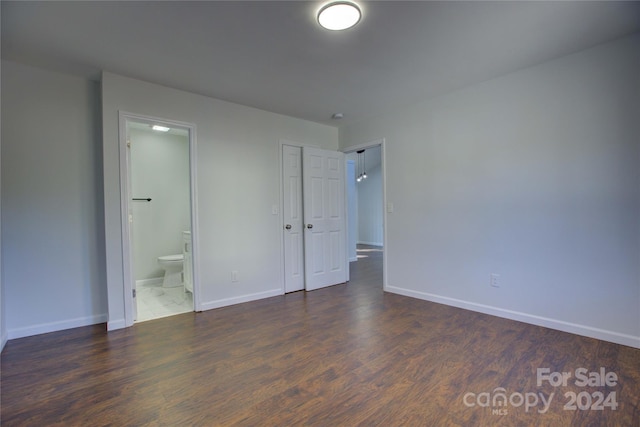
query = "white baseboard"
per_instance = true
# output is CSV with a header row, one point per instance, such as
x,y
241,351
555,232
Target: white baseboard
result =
x,y
44,328
150,282
353,259
238,300
573,328
3,340
112,325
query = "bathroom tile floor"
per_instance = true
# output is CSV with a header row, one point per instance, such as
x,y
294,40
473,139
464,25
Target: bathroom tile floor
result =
x,y
154,301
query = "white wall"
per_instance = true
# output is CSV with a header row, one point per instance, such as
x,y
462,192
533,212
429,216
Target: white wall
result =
x,y
52,226
160,171
370,208
238,180
535,176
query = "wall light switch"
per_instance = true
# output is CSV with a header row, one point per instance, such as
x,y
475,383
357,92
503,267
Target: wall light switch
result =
x,y
234,276
390,207
274,210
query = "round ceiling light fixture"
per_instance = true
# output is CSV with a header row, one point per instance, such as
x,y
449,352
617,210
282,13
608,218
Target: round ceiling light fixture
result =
x,y
339,15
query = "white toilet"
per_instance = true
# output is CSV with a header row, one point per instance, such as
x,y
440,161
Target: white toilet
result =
x,y
172,265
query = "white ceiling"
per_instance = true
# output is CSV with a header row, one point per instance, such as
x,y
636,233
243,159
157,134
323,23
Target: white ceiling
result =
x,y
272,54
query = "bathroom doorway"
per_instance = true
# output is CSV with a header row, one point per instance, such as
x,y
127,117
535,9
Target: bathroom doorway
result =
x,y
159,220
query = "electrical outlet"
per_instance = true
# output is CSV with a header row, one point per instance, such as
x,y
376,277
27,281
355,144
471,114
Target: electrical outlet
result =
x,y
234,276
495,280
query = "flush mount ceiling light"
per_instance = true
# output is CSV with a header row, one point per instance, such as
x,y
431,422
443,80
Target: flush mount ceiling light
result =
x,y
160,128
339,15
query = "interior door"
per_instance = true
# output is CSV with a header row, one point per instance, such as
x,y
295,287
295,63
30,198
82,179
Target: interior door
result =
x,y
292,217
325,239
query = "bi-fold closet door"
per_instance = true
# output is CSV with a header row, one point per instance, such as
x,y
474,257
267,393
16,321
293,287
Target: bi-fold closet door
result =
x,y
314,218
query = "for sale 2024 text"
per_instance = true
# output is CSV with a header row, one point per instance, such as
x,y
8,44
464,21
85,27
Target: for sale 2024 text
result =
x,y
582,377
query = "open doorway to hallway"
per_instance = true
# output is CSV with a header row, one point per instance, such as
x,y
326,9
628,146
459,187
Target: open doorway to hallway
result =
x,y
365,205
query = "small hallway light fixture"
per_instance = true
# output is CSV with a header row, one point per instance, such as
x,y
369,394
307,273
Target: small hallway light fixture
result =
x,y
160,128
339,15
362,172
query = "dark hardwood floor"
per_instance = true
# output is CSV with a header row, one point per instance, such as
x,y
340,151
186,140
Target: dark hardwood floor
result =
x,y
346,355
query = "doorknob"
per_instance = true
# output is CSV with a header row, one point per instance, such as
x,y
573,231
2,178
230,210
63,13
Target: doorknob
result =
x,y
309,226
288,226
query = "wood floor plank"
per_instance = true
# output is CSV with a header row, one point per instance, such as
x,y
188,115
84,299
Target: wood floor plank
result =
x,y
348,355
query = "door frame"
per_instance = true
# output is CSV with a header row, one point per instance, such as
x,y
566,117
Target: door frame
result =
x,y
351,213
125,198
383,168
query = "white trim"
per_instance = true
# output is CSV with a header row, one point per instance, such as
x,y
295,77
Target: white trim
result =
x,y
195,226
44,328
239,300
125,229
149,282
127,270
348,213
347,270
112,325
283,270
4,338
573,328
383,168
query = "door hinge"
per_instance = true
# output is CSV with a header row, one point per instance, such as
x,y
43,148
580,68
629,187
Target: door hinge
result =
x,y
134,293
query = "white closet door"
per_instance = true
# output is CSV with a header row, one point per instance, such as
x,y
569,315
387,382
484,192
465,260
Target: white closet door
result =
x,y
325,239
292,218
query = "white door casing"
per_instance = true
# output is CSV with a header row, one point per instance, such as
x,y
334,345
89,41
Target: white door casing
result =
x,y
130,306
292,218
325,239
352,210
130,226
